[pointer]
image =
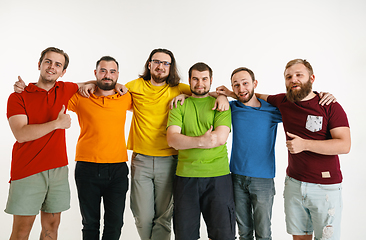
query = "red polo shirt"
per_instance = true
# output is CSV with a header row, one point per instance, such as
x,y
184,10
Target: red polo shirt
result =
x,y
40,106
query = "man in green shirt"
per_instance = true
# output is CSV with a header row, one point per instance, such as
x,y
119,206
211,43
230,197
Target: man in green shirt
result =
x,y
203,181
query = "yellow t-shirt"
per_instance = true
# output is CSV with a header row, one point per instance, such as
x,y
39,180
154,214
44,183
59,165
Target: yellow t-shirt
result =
x,y
102,127
150,115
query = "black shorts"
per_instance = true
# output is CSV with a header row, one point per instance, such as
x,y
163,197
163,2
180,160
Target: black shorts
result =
x,y
213,196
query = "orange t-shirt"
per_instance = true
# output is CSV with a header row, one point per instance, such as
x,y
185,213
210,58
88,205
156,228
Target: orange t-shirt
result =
x,y
102,127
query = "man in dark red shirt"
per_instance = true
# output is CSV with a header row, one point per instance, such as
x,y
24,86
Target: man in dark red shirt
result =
x,y
316,134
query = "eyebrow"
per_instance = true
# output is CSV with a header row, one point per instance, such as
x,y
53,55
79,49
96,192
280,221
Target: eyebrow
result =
x,y
240,80
112,69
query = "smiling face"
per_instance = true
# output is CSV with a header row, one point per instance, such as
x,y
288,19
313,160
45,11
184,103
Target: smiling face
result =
x,y
107,75
159,71
243,86
51,67
298,82
200,83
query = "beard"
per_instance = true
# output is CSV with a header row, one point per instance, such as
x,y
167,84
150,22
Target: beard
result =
x,y
298,95
246,99
106,86
200,93
157,78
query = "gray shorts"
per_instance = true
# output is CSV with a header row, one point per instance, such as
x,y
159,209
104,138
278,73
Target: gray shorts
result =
x,y
48,191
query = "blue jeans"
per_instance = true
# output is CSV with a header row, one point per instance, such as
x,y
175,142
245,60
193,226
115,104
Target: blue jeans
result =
x,y
95,181
253,203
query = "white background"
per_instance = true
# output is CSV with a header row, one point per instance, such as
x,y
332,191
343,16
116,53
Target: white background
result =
x,y
262,35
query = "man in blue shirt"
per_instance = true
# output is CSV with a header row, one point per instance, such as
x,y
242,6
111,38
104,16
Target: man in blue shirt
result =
x,y
252,163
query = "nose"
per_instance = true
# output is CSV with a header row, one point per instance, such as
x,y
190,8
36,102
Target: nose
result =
x,y
200,82
107,74
160,65
52,66
241,88
294,78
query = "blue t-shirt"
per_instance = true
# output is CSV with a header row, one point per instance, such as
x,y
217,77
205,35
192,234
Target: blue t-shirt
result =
x,y
254,136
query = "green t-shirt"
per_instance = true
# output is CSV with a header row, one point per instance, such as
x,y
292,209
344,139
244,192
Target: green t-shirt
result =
x,y
195,117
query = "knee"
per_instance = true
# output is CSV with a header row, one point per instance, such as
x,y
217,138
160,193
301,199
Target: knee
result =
x,y
143,222
51,225
50,221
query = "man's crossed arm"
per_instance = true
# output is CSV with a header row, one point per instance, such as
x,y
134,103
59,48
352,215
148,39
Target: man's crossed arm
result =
x,y
212,138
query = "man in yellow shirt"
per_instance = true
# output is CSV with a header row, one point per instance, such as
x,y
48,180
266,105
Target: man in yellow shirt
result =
x,y
101,170
153,161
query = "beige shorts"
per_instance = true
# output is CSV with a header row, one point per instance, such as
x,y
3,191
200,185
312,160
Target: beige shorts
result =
x,y
48,191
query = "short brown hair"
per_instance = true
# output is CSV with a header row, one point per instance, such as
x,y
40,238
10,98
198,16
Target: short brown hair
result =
x,y
201,67
107,59
302,61
251,73
56,50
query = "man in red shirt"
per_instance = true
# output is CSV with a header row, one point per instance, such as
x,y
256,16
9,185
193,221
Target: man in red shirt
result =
x,y
39,173
316,134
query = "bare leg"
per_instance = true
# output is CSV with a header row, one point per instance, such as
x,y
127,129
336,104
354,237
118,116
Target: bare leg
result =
x,y
50,223
302,237
22,225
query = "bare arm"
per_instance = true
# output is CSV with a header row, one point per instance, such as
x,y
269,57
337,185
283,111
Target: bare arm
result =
x,y
339,144
210,139
225,91
262,96
24,132
85,88
221,104
325,98
180,97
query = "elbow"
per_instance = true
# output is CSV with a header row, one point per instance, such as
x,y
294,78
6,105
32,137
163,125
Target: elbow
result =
x,y
20,140
171,143
221,142
346,149
173,146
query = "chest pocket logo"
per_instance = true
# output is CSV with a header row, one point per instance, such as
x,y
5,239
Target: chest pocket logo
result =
x,y
314,123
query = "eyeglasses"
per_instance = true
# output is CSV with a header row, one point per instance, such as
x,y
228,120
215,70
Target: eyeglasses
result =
x,y
157,62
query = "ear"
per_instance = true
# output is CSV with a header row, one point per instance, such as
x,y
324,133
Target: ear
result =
x,y
211,81
95,73
255,83
149,66
39,65
312,78
63,72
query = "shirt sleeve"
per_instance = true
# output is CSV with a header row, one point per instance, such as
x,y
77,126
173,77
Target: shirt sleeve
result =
x,y
15,105
338,117
73,102
175,117
185,89
271,99
129,99
71,88
222,118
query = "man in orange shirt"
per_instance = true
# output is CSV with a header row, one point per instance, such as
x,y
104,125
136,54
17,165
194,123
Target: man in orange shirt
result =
x,y
101,170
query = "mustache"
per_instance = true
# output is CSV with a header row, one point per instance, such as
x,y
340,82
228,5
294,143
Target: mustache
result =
x,y
109,79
